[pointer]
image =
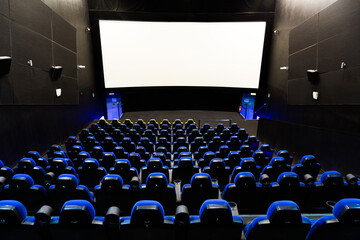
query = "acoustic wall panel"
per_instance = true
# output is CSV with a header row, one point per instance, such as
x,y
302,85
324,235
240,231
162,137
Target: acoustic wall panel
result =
x,y
64,33
69,91
300,92
34,15
304,35
338,17
302,61
4,7
340,48
33,86
67,59
28,45
4,37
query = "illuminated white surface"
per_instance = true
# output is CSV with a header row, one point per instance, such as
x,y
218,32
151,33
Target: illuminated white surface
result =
x,y
219,54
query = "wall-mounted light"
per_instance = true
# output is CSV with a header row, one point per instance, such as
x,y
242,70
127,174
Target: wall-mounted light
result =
x,y
343,65
87,29
284,68
276,32
30,63
5,64
313,75
315,95
55,72
81,66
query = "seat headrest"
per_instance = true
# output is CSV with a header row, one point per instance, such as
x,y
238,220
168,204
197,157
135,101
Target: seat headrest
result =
x,y
66,181
134,156
332,178
208,155
245,180
161,149
147,213
217,163
258,154
248,163
265,147
83,155
122,165
159,155
140,149
198,140
201,180
224,148
112,181
252,138
308,160
180,140
108,140
26,163
245,148
144,140
109,156
234,139
77,148
21,181
71,139
284,212
126,140
216,139
97,149
215,211
185,154
32,154
77,212
185,162
234,155
90,139
55,148
154,163
59,163
277,162
288,179
12,212
156,181
348,211
283,153
90,164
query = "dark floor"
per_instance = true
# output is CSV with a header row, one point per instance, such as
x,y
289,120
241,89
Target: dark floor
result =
x,y
200,117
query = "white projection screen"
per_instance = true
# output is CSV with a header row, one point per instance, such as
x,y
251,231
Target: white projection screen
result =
x,y
199,54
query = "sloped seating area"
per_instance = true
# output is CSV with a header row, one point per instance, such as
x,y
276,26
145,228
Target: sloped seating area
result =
x,y
171,180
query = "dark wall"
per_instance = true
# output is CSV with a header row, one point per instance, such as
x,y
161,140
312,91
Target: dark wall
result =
x,y
51,32
340,121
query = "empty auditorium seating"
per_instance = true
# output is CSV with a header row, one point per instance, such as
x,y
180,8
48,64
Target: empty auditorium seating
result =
x,y
308,165
120,152
282,221
157,188
28,166
60,166
246,193
89,143
39,161
215,221
77,220
184,170
215,144
153,165
265,148
123,168
206,159
260,158
135,161
90,173
108,144
276,166
66,188
342,224
113,192
147,221
80,158
287,187
285,154
234,143
233,159
200,189
15,224
246,165
252,142
223,152
22,188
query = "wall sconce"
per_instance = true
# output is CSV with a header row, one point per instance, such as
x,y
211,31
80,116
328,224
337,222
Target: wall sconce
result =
x,y
55,72
5,64
276,32
284,68
313,76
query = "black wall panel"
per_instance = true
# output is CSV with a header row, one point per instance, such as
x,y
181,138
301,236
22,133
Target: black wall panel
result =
x,y
67,59
63,33
28,45
69,91
338,17
4,7
302,61
4,37
6,92
340,48
301,90
304,35
34,15
33,86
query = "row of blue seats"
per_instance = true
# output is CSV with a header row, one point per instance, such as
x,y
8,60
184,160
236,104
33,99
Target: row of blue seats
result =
x,y
90,172
78,220
251,197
